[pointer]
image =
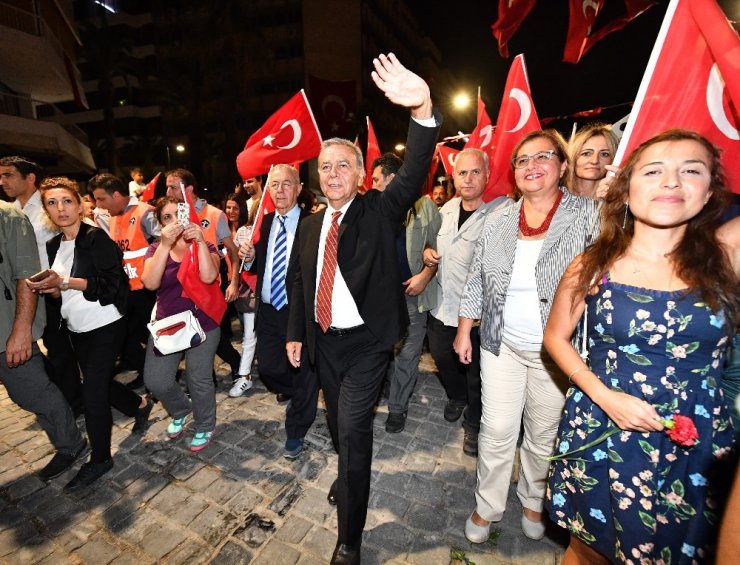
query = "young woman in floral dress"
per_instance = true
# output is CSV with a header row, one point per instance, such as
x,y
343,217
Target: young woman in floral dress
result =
x,y
661,288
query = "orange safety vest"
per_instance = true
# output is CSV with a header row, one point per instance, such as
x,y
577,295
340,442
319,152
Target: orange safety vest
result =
x,y
127,232
209,217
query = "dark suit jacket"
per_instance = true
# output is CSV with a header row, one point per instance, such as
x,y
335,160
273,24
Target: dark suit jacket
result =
x,y
98,259
260,254
366,254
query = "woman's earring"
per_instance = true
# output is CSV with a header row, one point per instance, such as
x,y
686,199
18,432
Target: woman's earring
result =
x,y
626,209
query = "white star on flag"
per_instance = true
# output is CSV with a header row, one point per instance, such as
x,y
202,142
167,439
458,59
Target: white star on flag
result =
x,y
268,140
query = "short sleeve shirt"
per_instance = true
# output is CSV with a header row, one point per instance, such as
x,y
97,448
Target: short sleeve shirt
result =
x,y
170,298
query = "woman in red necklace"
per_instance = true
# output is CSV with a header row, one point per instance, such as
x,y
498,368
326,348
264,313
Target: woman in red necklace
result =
x,y
520,257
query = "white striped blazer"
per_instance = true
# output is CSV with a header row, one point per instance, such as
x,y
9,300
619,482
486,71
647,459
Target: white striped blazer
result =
x,y
574,226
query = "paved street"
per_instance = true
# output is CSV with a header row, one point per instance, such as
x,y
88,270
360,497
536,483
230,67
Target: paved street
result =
x,y
240,501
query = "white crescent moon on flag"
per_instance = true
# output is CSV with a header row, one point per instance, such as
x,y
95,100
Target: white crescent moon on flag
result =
x,y
336,100
451,158
296,134
715,88
487,133
525,108
589,4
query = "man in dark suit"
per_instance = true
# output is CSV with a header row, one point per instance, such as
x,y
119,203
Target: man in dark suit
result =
x,y
347,299
272,261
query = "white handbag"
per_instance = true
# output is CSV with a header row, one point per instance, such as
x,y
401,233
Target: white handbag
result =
x,y
175,333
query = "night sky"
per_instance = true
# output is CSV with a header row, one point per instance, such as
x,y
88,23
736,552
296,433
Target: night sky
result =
x,y
609,74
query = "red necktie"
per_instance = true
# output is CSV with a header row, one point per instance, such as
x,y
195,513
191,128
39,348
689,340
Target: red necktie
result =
x,y
328,270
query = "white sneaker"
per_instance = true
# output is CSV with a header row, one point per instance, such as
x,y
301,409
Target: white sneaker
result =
x,y
241,385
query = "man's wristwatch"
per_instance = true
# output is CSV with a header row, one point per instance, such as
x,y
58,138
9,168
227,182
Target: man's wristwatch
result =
x,y
65,283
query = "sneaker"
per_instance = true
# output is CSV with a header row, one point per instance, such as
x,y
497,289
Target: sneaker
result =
x,y
141,419
396,422
293,448
88,474
177,425
533,530
241,385
476,533
470,443
201,440
62,461
453,410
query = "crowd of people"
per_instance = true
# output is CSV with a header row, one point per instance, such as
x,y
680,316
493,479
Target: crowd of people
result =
x,y
586,317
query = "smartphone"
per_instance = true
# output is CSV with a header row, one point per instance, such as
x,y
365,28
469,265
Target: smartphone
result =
x,y
183,214
38,277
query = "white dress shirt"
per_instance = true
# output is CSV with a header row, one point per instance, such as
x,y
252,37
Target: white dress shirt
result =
x,y
344,312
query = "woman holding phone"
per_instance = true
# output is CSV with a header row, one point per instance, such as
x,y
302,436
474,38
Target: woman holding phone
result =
x,y
87,273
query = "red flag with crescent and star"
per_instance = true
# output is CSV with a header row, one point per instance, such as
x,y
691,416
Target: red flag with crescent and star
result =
x,y
372,153
448,156
516,118
151,186
511,14
483,133
289,135
697,42
583,14
335,102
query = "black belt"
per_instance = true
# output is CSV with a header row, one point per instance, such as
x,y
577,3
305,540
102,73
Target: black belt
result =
x,y
344,331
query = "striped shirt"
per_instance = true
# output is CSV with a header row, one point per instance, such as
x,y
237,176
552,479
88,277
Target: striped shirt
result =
x,y
574,226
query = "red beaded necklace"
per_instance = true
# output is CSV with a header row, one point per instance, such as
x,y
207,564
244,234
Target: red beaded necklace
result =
x,y
529,231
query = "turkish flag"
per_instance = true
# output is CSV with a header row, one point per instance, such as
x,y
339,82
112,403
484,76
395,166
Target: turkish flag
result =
x,y
692,81
289,135
483,133
583,14
447,156
206,297
266,206
372,153
511,14
429,183
516,118
335,103
148,193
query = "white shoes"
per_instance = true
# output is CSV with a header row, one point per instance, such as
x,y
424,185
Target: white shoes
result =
x,y
241,385
476,533
533,530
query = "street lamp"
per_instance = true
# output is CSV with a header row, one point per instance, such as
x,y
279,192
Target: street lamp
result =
x,y
399,147
461,101
180,148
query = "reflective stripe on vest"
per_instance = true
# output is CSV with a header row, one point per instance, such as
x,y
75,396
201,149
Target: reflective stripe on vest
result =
x,y
127,232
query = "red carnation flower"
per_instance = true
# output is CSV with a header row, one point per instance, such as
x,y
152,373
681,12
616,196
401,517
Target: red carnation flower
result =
x,y
682,431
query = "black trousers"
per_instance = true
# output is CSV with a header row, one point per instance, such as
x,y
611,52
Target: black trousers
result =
x,y
96,353
280,376
138,314
351,370
60,360
461,382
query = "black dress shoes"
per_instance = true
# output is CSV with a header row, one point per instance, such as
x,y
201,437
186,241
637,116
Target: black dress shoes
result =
x,y
331,498
346,555
281,397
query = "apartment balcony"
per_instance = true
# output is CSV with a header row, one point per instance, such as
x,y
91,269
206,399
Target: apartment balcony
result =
x,y
37,51
38,131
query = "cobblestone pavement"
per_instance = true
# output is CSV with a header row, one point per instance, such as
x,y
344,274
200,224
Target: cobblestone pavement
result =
x,y
240,501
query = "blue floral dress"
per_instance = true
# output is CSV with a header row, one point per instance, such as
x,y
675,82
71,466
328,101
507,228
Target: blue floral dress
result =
x,y
639,497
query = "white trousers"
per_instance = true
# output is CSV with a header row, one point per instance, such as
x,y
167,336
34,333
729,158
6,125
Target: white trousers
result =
x,y
249,344
516,386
